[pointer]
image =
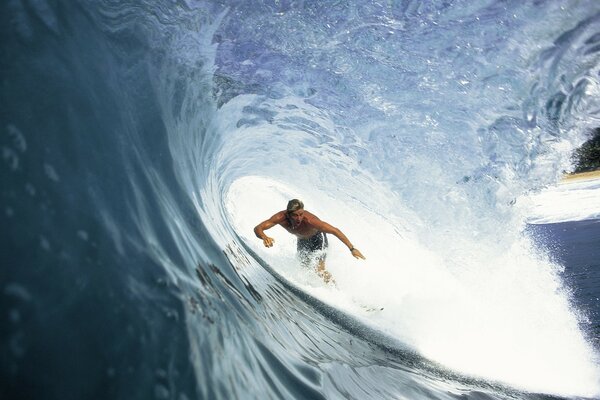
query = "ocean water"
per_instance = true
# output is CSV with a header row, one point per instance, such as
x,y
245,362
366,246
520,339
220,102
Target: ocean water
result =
x,y
564,222
143,140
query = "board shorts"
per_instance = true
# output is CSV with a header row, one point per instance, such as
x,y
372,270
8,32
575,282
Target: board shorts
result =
x,y
313,249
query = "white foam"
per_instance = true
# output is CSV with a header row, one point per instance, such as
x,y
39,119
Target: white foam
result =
x,y
570,201
497,314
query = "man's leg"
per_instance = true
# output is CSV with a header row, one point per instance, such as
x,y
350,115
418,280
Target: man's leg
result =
x,y
323,273
311,251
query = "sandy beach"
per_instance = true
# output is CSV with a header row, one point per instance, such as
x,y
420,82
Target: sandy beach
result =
x,y
581,176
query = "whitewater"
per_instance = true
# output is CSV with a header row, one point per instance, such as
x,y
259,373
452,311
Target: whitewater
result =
x,y
143,141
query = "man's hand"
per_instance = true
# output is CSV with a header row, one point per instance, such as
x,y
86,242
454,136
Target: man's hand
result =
x,y
356,253
268,242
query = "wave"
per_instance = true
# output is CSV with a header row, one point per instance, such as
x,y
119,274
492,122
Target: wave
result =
x,y
171,129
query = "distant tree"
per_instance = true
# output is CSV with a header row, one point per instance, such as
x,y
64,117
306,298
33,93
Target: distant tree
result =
x,y
587,157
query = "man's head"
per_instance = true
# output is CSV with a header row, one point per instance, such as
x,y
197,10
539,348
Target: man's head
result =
x,y
295,211
294,205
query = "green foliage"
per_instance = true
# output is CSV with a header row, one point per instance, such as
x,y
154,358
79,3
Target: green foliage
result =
x,y
587,157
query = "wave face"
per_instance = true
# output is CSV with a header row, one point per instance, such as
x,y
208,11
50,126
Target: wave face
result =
x,y
143,141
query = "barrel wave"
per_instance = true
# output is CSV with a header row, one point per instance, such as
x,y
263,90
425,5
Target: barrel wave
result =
x,y
142,141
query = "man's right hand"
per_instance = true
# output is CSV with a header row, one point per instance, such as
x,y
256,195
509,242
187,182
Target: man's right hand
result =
x,y
268,242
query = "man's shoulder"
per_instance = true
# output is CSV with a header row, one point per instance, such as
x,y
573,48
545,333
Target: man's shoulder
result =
x,y
310,217
279,217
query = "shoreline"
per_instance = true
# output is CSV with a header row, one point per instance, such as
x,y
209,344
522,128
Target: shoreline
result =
x,y
581,176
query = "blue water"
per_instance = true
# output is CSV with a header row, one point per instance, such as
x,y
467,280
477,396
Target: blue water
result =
x,y
142,140
575,245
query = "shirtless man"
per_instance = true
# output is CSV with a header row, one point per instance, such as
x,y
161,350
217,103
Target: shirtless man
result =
x,y
311,234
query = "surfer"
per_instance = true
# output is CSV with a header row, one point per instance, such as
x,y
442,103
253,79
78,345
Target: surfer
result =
x,y
311,233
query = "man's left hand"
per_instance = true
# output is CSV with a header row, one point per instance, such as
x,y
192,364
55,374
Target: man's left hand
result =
x,y
357,254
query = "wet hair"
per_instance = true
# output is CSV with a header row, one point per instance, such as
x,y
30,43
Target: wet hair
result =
x,y
294,205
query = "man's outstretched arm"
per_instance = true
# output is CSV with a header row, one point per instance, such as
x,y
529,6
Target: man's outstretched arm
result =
x,y
259,230
327,228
